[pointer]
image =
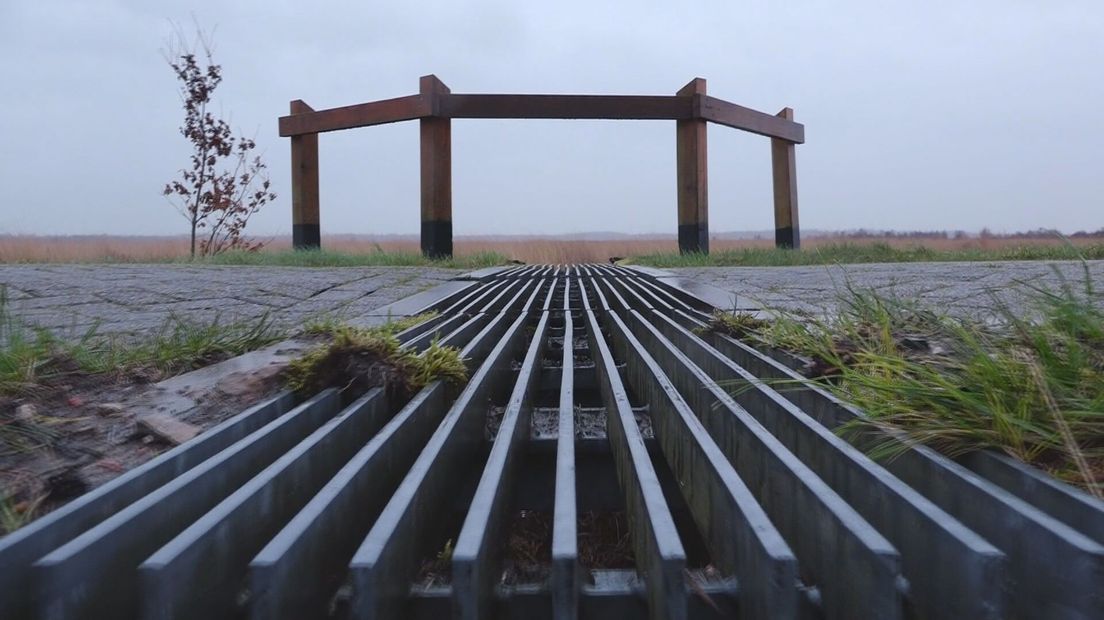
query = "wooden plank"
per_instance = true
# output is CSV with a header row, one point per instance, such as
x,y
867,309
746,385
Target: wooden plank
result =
x,y
305,230
436,167
381,112
787,233
739,117
640,107
693,179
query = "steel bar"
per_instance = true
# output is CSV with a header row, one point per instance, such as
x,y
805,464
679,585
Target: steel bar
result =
x,y
1048,560
610,455
565,548
197,574
742,540
793,496
475,567
95,574
659,552
20,549
969,581
385,561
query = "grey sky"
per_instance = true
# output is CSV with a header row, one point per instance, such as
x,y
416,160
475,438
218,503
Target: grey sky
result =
x,y
919,115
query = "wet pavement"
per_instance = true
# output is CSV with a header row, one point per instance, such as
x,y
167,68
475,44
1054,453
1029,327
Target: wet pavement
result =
x,y
966,288
132,299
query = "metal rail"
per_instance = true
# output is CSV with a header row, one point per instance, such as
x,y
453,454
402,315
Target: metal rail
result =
x,y
595,398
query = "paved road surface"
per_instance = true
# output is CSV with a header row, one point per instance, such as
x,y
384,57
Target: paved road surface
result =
x,y
140,298
965,288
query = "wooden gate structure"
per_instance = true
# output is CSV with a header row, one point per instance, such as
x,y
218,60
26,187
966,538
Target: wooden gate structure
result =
x,y
435,106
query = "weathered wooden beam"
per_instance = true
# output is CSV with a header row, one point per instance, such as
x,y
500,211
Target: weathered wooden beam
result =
x,y
436,164
693,180
754,121
305,231
627,107
787,233
360,115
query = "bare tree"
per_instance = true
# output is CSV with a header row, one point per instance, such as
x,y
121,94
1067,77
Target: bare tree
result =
x,y
225,183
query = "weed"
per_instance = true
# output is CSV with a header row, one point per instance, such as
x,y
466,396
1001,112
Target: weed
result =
x,y
331,325
735,324
362,358
1032,387
14,514
180,345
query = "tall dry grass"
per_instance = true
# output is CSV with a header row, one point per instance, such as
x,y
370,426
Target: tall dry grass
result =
x,y
103,248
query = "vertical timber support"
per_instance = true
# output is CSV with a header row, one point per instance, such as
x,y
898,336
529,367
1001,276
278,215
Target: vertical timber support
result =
x,y
305,231
787,233
436,141
693,178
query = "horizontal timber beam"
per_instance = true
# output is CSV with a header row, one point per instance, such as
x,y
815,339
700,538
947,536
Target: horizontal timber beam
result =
x,y
613,107
629,107
731,115
360,115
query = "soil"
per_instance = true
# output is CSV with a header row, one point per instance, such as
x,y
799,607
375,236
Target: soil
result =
x,y
437,570
529,548
604,541
80,431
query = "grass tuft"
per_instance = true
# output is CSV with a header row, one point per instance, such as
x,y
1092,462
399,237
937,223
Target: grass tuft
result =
x,y
1032,387
35,364
330,325
15,514
735,324
363,358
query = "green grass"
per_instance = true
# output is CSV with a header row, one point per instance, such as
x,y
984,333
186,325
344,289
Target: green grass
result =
x,y
845,253
31,358
369,357
305,258
34,362
1030,387
329,325
14,515
327,258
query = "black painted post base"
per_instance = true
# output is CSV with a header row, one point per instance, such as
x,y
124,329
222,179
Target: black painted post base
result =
x,y
787,238
306,236
437,239
693,238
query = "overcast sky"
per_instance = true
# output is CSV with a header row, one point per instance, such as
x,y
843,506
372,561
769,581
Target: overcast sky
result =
x,y
918,115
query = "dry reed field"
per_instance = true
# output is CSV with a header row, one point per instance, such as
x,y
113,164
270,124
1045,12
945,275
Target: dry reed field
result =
x,y
564,249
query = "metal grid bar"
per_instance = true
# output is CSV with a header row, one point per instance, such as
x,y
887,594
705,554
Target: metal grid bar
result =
x,y
741,499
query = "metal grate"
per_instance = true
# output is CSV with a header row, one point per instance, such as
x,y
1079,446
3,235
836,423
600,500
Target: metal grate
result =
x,y
604,460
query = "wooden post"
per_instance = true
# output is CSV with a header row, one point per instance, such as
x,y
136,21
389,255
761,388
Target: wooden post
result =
x,y
436,140
787,233
693,180
305,232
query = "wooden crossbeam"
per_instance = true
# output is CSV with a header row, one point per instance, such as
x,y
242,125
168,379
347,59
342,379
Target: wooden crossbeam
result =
x,y
737,116
615,107
626,107
360,115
